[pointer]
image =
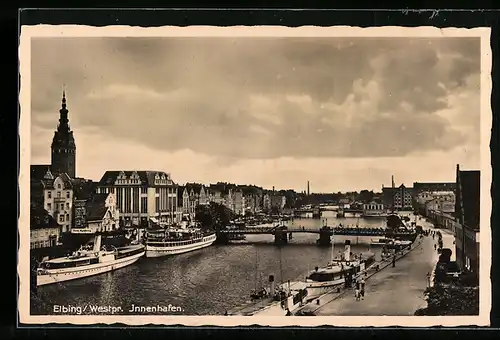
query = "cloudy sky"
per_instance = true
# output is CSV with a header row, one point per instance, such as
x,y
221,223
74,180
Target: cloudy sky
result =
x,y
343,113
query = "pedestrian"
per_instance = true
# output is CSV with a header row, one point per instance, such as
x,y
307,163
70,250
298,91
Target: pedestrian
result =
x,y
362,294
435,246
357,292
394,261
428,279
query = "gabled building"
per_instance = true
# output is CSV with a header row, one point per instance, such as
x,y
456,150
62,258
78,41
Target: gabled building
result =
x,y
397,198
215,194
102,214
467,211
142,196
54,194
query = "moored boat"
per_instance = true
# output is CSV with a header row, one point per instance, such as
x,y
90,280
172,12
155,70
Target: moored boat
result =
x,y
286,299
173,241
390,243
89,260
381,241
339,271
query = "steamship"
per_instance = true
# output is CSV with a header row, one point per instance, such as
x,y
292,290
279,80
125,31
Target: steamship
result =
x,y
91,259
173,241
341,268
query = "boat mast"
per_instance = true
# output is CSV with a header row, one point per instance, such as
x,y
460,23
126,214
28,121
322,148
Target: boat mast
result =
x,y
281,266
256,267
333,244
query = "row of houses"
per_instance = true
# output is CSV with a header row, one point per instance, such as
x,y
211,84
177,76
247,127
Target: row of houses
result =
x,y
242,200
457,209
134,198
403,197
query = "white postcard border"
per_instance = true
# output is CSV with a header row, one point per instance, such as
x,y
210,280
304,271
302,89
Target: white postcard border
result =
x,y
27,32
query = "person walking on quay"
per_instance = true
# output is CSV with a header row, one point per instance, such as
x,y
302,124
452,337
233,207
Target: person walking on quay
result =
x,y
435,246
394,261
357,292
362,287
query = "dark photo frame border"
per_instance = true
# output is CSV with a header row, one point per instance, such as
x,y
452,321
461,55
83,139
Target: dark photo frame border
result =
x,y
250,17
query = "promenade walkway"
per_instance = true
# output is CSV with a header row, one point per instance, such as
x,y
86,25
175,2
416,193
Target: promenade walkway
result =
x,y
392,291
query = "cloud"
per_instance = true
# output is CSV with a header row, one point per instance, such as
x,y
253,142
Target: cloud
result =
x,y
251,99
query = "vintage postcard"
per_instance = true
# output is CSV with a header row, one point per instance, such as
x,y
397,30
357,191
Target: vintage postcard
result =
x,y
255,175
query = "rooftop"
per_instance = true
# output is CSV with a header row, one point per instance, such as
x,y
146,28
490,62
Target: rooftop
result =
x,y
146,178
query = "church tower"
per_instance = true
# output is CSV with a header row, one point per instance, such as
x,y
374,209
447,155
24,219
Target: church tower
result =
x,y
63,145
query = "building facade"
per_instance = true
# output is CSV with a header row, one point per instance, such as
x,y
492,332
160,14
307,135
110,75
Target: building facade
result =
x,y
102,215
55,195
397,198
63,148
467,227
142,196
419,187
44,229
237,202
373,208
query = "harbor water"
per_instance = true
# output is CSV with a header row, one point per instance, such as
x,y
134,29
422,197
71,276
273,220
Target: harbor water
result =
x,y
208,281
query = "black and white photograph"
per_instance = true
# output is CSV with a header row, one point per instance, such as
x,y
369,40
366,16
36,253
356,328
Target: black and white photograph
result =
x,y
255,175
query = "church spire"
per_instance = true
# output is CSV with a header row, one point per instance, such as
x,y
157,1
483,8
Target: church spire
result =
x,y
63,144
63,114
64,98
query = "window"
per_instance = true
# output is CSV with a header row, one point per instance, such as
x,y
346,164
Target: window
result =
x,y
67,205
49,206
61,218
67,217
59,187
62,206
68,194
58,194
49,194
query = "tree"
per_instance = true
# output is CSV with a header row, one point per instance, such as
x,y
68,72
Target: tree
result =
x,y
366,196
452,299
214,215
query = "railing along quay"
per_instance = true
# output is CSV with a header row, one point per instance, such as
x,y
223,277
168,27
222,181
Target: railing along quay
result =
x,y
361,231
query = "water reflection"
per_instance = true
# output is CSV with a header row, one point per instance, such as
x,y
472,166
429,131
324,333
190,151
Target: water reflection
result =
x,y
207,281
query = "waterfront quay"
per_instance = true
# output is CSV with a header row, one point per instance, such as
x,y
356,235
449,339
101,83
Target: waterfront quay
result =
x,y
392,291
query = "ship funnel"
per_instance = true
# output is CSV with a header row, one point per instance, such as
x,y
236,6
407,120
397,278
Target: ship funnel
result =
x,y
347,250
97,243
271,284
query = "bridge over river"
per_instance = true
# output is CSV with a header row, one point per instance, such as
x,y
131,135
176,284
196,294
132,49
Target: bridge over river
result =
x,y
282,233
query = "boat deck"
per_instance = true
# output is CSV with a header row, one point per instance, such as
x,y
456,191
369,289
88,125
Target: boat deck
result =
x,y
251,307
